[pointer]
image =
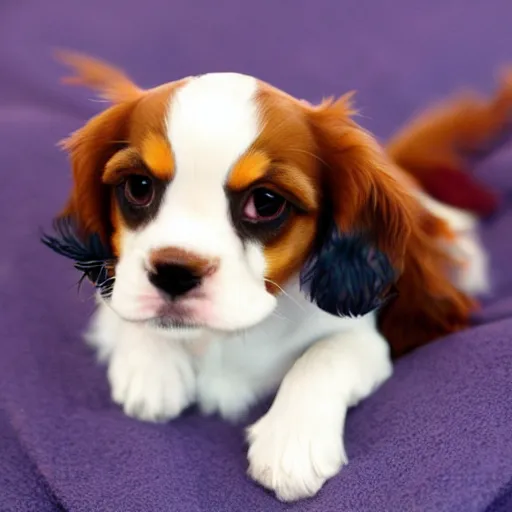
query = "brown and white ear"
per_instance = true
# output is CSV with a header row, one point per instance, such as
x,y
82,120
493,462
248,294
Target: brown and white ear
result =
x,y
369,213
89,149
93,145
110,82
379,236
366,190
83,230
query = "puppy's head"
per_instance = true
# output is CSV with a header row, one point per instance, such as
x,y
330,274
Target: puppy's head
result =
x,y
212,192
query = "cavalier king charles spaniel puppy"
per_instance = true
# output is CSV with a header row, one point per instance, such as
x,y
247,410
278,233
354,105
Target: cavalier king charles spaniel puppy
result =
x,y
244,242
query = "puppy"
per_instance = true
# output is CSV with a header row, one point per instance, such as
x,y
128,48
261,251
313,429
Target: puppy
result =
x,y
243,242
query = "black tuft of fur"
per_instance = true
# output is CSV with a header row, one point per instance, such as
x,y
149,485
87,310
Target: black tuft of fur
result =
x,y
90,255
347,276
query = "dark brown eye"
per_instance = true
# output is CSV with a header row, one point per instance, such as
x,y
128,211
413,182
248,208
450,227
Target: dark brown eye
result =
x,y
139,190
264,205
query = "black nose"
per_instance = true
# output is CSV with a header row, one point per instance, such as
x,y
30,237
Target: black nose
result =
x,y
175,280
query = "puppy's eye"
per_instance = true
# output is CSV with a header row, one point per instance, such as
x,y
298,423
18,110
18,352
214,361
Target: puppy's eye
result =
x,y
139,190
264,205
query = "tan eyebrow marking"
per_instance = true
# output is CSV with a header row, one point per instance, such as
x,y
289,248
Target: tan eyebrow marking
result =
x,y
156,153
250,168
256,166
156,156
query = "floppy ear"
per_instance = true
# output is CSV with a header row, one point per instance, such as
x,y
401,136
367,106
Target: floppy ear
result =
x,y
89,149
83,229
93,145
367,217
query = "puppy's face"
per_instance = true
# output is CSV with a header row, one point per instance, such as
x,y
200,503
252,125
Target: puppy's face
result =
x,y
213,203
214,190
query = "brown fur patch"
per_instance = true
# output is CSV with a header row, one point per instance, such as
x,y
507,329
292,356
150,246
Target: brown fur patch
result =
x,y
90,148
123,162
286,255
287,141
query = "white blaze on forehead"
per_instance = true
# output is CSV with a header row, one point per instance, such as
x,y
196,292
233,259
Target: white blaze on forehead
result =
x,y
212,121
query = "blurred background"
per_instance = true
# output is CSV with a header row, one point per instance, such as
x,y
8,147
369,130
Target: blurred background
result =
x,y
55,413
398,54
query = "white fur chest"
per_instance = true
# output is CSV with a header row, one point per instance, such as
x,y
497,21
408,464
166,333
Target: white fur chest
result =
x,y
234,372
220,373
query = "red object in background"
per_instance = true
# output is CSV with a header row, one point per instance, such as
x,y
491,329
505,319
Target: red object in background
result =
x,y
459,189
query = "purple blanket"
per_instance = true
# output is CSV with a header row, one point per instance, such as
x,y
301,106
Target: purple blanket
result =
x,y
436,437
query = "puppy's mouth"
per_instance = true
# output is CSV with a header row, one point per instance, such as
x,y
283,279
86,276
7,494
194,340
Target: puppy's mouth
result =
x,y
170,323
174,317
169,316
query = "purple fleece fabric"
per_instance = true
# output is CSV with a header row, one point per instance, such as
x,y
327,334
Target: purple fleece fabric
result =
x,y
436,437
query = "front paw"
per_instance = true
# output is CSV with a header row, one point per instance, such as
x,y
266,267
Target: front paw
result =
x,y
152,385
294,458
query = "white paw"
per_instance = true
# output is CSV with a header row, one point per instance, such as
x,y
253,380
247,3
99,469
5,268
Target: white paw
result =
x,y
294,458
152,383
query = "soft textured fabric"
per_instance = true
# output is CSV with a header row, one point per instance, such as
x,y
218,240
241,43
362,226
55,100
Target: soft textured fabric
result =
x,y
436,437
